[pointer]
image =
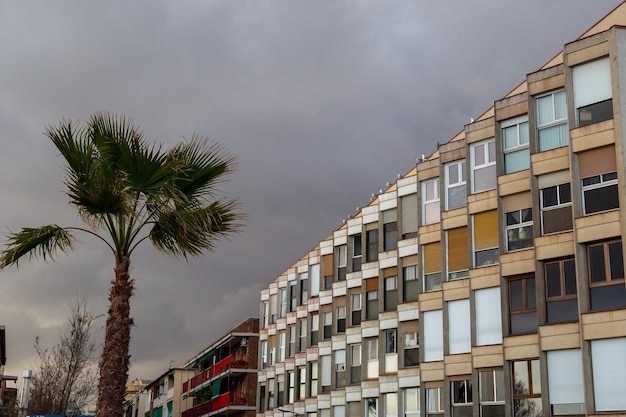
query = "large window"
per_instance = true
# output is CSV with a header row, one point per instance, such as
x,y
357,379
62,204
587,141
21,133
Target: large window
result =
x,y
340,317
411,397
355,363
593,96
485,229
327,324
609,367
433,335
431,254
315,328
371,407
302,331
515,140
304,287
491,387
342,262
556,208
488,316
391,288
328,271
411,341
325,372
410,287
340,368
459,327
561,300
519,229
371,243
606,275
314,372
371,347
391,351
457,254
527,389
371,295
456,187
282,302
522,305
566,382
551,121
356,250
483,166
355,308
391,404
430,201
598,173
390,230
461,397
434,402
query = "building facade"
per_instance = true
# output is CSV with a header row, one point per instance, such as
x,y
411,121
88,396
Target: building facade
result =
x,y
223,379
163,396
488,280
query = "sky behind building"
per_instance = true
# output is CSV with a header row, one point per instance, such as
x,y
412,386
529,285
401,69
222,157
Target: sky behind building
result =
x,y
322,102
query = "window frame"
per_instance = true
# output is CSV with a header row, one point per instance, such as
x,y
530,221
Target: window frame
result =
x,y
606,180
534,393
519,147
563,297
489,163
526,308
462,387
460,167
552,123
429,203
609,281
410,283
522,224
560,205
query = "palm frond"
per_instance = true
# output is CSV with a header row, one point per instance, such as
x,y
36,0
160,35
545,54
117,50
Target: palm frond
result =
x,y
43,242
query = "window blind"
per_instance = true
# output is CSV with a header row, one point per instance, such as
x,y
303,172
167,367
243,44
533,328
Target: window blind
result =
x,y
486,230
458,258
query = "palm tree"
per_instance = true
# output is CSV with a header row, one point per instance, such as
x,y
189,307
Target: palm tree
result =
x,y
128,191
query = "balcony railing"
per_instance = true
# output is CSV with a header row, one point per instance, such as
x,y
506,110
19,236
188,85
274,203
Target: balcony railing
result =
x,y
232,361
224,400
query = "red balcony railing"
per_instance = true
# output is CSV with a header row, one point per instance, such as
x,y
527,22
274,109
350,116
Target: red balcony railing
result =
x,y
232,361
224,400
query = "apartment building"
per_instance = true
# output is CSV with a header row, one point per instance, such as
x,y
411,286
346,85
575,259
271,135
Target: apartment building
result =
x,y
223,378
163,396
486,281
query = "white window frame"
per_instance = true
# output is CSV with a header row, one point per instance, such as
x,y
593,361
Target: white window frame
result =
x,y
434,401
487,164
459,166
605,180
432,203
516,123
551,123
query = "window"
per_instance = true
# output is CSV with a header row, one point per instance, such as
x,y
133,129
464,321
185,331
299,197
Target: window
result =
x,y
371,294
551,121
355,306
411,343
527,389
341,318
459,327
371,407
556,208
519,229
265,311
342,262
328,271
566,382
391,404
491,387
410,288
271,394
561,301
391,288
408,220
315,327
304,287
390,230
431,254
315,280
291,387
264,354
598,173
411,398
294,296
593,95
301,395
272,350
433,335
273,308
371,244
260,400
282,342
302,330
327,324
430,202
434,402
456,188
291,350
515,140
461,396
325,365
280,390
355,245
606,275
340,368
483,166
457,253
391,351
608,367
371,346
355,363
313,371
522,305
282,302
485,229
488,316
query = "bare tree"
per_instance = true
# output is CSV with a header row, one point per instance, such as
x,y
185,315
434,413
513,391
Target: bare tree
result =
x,y
68,371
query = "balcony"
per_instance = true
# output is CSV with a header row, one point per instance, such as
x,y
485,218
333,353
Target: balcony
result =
x,y
222,401
232,361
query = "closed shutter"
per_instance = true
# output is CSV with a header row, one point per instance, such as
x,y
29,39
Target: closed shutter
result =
x,y
458,258
597,161
390,216
432,257
328,265
517,202
409,260
371,284
390,272
409,213
486,230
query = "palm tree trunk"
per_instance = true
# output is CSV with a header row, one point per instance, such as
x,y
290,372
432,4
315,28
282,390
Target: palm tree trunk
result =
x,y
114,362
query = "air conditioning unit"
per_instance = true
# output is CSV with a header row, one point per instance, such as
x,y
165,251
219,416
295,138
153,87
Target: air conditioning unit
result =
x,y
341,367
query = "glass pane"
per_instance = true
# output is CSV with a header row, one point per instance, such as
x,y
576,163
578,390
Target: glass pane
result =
x,y
453,174
528,407
509,137
563,310
411,399
549,196
492,410
560,106
457,197
499,385
601,199
544,110
512,218
536,376
530,293
553,279
523,133
552,137
479,155
517,161
485,178
487,389
597,270
524,323
517,298
616,260
607,296
565,193
520,374
569,269
492,151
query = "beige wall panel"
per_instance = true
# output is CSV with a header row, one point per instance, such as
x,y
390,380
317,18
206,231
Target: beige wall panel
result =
x,y
431,371
430,301
604,324
554,246
487,356
458,364
521,347
514,183
597,226
429,234
428,172
482,202
519,262
550,161
594,139
517,201
559,336
481,134
546,84
456,290
512,111
485,277
587,54
454,155
454,218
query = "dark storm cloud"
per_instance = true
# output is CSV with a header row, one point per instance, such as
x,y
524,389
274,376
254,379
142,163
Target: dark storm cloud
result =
x,y
322,102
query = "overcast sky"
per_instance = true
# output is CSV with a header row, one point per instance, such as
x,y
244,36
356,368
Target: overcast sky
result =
x,y
323,102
